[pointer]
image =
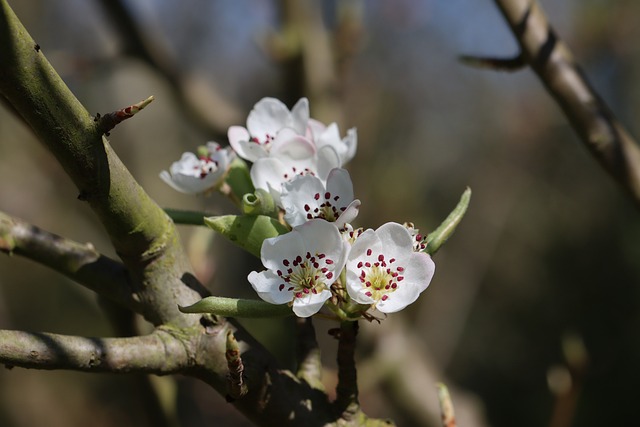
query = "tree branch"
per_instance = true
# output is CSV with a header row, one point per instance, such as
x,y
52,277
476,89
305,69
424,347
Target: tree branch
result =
x,y
79,262
550,58
158,353
143,236
148,244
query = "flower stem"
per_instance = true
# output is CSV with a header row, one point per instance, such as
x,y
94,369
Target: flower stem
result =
x,y
347,389
186,217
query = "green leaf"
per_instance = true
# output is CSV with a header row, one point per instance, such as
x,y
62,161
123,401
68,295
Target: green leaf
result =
x,y
231,307
441,234
248,232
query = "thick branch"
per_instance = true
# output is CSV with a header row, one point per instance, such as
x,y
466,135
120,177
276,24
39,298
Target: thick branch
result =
x,y
158,353
143,236
79,262
590,117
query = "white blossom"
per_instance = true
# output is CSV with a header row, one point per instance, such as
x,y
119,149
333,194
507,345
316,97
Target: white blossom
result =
x,y
384,270
266,120
197,174
307,197
301,267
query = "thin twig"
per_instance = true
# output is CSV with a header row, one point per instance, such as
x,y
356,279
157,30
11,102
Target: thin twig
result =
x,y
501,64
591,118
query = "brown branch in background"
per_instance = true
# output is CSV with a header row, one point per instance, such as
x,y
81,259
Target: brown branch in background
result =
x,y
77,261
193,96
500,64
407,376
566,382
308,353
110,120
590,117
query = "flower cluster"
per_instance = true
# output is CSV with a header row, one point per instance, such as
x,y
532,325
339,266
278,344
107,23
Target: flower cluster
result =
x,y
322,260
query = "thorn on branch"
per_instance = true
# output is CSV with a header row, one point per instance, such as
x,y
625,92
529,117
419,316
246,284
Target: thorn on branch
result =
x,y
499,64
235,377
111,120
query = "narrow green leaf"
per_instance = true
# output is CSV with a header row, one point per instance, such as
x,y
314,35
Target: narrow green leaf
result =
x,y
441,234
248,232
231,307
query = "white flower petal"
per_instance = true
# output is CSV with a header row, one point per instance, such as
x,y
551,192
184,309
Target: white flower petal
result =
x,y
291,145
192,175
328,159
297,198
268,116
240,141
383,269
349,214
310,304
275,249
267,285
302,265
339,184
300,116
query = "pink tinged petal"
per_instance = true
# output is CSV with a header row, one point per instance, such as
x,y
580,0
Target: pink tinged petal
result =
x,y
267,285
315,129
268,116
293,146
300,116
310,304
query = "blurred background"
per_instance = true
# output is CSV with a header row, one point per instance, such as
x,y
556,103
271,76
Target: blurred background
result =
x,y
532,318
